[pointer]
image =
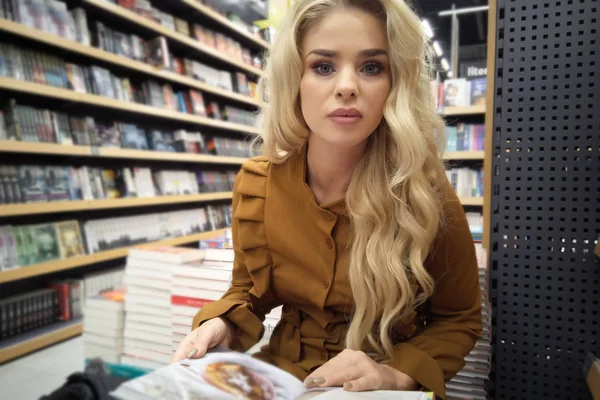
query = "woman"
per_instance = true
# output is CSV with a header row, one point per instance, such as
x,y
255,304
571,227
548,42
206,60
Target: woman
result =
x,y
348,219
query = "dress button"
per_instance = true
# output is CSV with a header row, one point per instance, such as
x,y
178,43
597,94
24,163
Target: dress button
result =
x,y
326,283
329,244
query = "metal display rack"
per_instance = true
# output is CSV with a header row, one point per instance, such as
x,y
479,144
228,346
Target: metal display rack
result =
x,y
545,206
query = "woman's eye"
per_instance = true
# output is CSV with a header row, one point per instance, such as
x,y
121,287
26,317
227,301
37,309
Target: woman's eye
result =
x,y
372,68
323,68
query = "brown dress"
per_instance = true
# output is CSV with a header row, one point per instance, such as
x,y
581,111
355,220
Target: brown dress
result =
x,y
291,251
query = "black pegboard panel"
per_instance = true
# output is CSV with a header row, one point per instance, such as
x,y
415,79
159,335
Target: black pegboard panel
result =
x,y
545,217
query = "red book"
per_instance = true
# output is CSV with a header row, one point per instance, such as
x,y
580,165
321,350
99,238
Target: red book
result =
x,y
189,301
63,300
188,103
127,4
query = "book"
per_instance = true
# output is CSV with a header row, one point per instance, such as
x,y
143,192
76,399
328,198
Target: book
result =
x,y
222,374
46,242
69,238
478,91
8,251
174,255
456,93
57,184
157,53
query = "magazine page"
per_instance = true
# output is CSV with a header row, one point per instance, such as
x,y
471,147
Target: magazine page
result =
x,y
341,394
220,375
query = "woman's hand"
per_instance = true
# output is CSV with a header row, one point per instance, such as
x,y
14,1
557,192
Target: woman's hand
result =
x,y
212,333
357,372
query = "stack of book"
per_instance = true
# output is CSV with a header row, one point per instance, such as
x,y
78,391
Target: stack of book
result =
x,y
104,318
104,281
470,383
149,282
198,283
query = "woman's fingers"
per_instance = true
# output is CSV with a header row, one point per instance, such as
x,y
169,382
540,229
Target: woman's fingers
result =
x,y
193,346
185,347
362,384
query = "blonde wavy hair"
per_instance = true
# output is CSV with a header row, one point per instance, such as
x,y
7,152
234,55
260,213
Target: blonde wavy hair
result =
x,y
392,200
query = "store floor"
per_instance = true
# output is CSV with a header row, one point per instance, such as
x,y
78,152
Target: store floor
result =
x,y
40,373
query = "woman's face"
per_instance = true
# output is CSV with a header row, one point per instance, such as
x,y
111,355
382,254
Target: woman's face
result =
x,y
346,76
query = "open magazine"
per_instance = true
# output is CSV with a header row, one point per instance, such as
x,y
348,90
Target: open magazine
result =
x,y
230,375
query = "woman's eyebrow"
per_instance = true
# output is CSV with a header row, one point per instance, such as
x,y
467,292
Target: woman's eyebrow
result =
x,y
333,54
373,52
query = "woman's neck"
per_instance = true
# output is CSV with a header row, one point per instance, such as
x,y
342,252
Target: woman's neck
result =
x,y
330,168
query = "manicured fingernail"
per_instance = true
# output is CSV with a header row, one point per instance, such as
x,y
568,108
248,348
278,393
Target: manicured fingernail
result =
x,y
312,382
192,353
347,386
319,381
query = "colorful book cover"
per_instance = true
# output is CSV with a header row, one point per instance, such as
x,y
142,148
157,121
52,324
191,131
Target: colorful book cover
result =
x,y
70,240
478,91
46,242
110,186
455,93
73,183
22,256
30,245
57,184
32,182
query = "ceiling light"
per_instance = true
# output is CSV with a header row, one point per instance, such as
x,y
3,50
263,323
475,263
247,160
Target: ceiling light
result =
x,y
438,49
445,64
427,27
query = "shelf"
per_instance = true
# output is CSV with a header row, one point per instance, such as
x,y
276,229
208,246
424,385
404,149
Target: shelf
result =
x,y
464,155
124,62
471,201
168,33
88,259
470,110
12,210
38,339
215,16
100,101
11,146
168,156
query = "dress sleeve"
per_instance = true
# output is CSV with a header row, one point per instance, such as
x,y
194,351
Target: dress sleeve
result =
x,y
244,311
453,313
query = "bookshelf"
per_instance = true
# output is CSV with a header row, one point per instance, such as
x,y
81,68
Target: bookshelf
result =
x,y
173,36
472,201
37,89
223,21
458,111
12,210
96,54
11,146
88,259
39,339
464,155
